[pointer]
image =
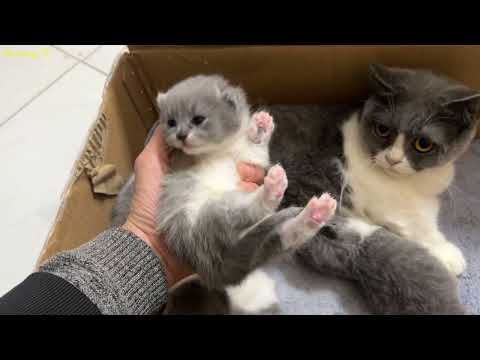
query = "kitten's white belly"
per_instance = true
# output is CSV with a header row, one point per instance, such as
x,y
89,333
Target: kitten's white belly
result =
x,y
213,178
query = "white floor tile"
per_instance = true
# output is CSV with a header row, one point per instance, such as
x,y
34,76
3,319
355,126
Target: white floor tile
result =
x,y
104,57
25,71
39,147
80,51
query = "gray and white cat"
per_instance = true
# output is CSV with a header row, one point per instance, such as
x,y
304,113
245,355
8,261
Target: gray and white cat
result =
x,y
388,161
222,233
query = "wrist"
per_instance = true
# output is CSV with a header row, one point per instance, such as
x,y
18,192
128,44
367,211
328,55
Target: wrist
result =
x,y
173,271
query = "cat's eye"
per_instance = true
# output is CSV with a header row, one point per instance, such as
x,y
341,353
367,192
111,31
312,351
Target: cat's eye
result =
x,y
171,123
381,130
423,145
197,120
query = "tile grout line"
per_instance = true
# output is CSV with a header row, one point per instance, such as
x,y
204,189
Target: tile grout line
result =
x,y
37,95
83,61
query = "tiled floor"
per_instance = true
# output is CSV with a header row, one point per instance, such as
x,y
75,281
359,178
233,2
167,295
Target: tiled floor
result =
x,y
49,98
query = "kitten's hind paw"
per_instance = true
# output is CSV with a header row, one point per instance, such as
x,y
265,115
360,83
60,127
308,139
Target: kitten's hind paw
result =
x,y
275,184
318,211
297,231
261,127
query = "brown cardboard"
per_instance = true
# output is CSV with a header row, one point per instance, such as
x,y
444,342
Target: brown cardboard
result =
x,y
269,74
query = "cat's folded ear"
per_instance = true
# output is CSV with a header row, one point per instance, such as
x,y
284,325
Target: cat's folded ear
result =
x,y
384,79
160,101
233,96
464,101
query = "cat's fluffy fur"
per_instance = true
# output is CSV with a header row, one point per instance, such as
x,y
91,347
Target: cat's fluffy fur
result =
x,y
385,235
222,233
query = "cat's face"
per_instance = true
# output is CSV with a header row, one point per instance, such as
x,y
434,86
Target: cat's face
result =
x,y
200,114
416,120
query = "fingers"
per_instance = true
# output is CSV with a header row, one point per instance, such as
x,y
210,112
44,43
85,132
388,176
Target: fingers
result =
x,y
155,154
156,144
247,186
250,173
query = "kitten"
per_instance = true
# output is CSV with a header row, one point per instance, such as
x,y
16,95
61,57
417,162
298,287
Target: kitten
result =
x,y
222,233
388,161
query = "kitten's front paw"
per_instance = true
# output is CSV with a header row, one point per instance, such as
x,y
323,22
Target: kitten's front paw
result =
x,y
261,127
450,256
275,184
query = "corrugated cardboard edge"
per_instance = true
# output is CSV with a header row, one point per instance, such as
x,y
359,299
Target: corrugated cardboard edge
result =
x,y
75,172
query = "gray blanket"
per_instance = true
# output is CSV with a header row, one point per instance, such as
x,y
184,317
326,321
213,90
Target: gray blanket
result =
x,y
301,291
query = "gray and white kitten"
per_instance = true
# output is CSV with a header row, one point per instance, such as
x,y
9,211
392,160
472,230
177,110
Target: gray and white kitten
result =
x,y
388,161
222,233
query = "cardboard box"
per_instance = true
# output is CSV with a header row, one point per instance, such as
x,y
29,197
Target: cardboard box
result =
x,y
269,74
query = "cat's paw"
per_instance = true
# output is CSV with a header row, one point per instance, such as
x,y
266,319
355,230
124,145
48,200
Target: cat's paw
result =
x,y
274,184
305,225
261,127
318,211
450,256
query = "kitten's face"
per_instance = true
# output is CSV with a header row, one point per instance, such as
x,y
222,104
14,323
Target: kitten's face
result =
x,y
200,114
417,120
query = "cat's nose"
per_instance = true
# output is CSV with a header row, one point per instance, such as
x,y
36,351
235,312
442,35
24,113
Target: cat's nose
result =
x,y
182,136
391,161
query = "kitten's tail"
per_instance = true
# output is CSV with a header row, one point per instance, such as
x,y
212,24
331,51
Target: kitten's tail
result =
x,y
256,293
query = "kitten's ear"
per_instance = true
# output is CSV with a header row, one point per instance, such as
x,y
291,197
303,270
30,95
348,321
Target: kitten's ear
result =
x,y
384,79
233,96
160,101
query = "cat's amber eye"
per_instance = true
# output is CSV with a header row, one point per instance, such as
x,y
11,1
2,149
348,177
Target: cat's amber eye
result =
x,y
381,130
423,145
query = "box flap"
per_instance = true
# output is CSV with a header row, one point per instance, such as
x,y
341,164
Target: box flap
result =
x,y
133,48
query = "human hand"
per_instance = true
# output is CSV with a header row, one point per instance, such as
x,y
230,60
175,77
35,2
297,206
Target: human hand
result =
x,y
251,176
150,167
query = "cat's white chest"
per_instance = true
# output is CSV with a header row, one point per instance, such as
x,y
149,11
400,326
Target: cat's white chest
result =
x,y
390,203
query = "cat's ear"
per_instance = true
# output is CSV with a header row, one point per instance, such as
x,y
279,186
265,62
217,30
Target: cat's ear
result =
x,y
464,101
160,101
225,95
233,96
384,79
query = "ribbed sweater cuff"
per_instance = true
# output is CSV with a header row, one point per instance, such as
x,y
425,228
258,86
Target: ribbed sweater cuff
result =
x,y
117,271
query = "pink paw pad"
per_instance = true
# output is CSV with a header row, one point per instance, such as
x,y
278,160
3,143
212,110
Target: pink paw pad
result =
x,y
261,127
275,184
319,210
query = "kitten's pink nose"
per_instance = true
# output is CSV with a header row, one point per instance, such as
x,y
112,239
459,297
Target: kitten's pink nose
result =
x,y
391,161
182,136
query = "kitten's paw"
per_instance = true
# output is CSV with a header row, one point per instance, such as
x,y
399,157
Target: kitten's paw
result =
x,y
318,211
297,231
274,184
261,127
450,256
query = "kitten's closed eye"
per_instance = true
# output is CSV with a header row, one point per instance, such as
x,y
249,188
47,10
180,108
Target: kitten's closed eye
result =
x,y
198,120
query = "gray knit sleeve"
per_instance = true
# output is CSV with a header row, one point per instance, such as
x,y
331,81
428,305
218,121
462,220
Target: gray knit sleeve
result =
x,y
117,271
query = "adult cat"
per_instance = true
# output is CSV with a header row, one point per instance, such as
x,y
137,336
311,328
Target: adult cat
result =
x,y
387,161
